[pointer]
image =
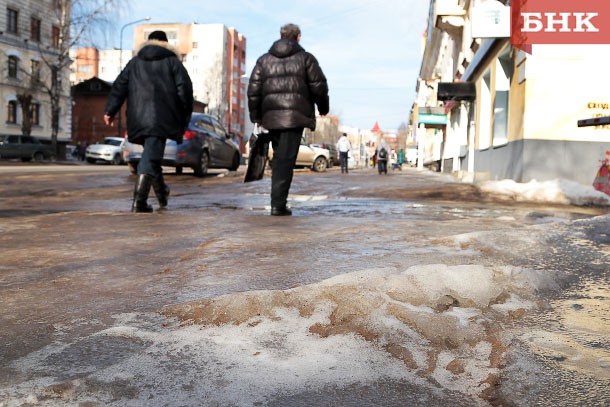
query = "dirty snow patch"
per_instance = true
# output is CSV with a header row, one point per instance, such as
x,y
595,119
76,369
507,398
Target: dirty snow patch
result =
x,y
559,191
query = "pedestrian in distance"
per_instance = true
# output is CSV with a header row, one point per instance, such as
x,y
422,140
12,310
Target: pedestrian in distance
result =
x,y
284,86
82,150
401,158
344,147
393,159
159,95
383,152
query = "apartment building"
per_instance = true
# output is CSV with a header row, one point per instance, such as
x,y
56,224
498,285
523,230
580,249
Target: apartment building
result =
x,y
90,63
29,34
503,113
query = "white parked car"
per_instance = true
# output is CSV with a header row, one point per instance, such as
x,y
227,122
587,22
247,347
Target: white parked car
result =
x,y
309,156
109,151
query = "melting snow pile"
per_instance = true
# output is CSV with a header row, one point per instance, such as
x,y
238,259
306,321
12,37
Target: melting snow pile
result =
x,y
555,192
432,321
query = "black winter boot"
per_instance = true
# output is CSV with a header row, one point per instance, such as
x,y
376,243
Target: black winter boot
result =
x,y
280,211
161,191
140,194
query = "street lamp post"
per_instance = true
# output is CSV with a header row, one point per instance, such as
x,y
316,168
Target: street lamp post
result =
x,y
121,62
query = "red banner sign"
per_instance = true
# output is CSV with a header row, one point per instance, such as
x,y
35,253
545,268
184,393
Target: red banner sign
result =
x,y
559,22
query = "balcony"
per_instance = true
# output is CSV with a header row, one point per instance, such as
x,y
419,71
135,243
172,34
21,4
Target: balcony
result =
x,y
449,14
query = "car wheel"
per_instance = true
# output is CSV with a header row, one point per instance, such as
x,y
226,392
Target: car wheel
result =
x,y
201,169
90,160
38,156
133,168
320,164
179,170
116,160
235,164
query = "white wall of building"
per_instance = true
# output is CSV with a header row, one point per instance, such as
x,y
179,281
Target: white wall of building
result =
x,y
205,64
110,63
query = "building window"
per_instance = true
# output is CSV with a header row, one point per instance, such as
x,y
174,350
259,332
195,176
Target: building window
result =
x,y
11,116
35,112
485,112
13,66
12,21
85,69
35,70
504,73
35,25
55,36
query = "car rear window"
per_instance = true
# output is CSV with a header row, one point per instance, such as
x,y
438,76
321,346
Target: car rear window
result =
x,y
219,129
205,124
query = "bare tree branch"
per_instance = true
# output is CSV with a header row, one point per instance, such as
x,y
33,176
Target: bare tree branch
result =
x,y
76,23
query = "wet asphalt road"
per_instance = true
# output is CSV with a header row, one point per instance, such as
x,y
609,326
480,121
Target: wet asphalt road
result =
x,y
74,257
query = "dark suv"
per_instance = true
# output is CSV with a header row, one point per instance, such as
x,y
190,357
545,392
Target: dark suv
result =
x,y
26,148
206,144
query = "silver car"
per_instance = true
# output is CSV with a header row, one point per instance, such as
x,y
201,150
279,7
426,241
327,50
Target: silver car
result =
x,y
309,156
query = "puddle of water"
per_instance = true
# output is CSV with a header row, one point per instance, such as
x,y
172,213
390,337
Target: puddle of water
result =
x,y
578,334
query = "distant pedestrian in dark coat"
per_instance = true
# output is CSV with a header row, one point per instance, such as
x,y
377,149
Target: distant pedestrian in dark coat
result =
x,y
159,97
284,86
383,152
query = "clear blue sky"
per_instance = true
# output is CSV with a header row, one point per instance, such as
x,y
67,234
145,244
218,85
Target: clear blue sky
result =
x,y
370,50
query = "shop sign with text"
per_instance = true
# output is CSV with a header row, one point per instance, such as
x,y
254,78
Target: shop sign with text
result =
x,y
559,22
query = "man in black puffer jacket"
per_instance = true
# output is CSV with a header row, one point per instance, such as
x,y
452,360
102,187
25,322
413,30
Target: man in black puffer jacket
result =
x,y
284,86
159,96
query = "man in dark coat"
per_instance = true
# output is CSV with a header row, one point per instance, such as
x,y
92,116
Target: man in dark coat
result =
x,y
159,96
284,86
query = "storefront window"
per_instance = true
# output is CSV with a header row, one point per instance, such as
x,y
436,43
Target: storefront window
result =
x,y
504,71
485,113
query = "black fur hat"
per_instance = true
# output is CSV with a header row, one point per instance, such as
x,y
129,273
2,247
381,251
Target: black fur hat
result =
x,y
158,35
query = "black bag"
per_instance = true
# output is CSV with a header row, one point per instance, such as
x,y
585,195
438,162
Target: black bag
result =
x,y
383,154
259,151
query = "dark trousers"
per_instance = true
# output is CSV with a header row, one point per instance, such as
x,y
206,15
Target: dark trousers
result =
x,y
383,166
285,144
150,162
343,161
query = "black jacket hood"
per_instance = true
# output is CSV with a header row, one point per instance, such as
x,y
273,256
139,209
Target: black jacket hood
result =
x,y
284,48
153,50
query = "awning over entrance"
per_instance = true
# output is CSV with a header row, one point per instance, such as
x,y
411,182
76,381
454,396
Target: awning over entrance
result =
x,y
456,91
427,118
